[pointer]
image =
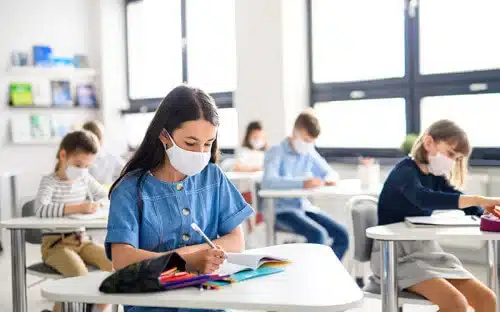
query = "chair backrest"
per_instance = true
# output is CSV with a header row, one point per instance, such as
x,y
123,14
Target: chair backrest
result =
x,y
32,236
364,215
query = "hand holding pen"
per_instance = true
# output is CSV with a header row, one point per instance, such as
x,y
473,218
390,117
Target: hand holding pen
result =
x,y
208,260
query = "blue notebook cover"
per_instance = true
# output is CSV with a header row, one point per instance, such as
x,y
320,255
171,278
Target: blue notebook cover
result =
x,y
249,274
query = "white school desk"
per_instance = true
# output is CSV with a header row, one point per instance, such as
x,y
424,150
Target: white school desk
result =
x,y
389,234
250,178
18,248
314,281
348,187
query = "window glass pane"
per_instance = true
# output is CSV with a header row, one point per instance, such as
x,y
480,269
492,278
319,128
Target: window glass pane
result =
x,y
154,47
459,36
376,123
477,114
136,126
355,40
227,135
211,45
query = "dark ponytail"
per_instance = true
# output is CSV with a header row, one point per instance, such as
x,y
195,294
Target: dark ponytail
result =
x,y
182,104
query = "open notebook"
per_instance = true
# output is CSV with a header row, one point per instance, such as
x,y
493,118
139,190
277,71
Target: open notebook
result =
x,y
442,221
238,262
99,214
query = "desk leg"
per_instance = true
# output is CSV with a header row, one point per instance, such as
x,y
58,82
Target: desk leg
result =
x,y
18,253
269,218
493,262
69,307
13,196
388,282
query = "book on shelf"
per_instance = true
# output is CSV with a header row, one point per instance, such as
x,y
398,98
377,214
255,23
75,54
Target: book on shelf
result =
x,y
20,94
42,95
85,95
61,93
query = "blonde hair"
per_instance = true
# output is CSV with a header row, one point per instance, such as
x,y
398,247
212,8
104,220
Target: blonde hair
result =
x,y
451,133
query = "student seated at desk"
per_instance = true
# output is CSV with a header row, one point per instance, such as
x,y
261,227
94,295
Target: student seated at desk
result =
x,y
171,182
66,192
419,184
294,164
250,157
107,166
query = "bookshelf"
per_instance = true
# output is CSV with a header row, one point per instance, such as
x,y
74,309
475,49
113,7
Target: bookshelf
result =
x,y
50,121
51,72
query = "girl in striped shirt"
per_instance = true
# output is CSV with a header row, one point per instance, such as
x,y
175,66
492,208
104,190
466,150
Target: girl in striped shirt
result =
x,y
71,190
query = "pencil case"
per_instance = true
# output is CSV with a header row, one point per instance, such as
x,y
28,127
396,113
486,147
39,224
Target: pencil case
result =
x,y
143,276
490,223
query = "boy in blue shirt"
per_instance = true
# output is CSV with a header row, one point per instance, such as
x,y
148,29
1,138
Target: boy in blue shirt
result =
x,y
293,164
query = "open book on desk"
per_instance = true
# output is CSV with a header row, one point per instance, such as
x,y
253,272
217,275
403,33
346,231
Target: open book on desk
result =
x,y
239,262
443,221
99,214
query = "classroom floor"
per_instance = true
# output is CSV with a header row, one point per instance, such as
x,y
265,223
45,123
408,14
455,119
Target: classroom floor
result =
x,y
37,303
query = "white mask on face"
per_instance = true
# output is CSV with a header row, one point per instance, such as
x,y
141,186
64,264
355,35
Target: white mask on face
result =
x,y
257,143
440,165
301,146
186,162
74,173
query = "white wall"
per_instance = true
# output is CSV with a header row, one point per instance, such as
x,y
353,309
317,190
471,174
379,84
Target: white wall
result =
x,y
63,25
271,51
91,27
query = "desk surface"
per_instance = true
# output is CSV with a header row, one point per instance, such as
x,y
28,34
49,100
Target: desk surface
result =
x,y
52,223
315,281
400,231
349,187
244,176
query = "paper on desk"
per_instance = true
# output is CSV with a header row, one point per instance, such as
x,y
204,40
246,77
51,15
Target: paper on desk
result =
x,y
99,214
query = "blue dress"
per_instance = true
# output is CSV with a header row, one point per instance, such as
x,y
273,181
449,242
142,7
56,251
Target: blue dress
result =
x,y
209,199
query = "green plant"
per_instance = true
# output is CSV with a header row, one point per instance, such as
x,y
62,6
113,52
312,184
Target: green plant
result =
x,y
408,142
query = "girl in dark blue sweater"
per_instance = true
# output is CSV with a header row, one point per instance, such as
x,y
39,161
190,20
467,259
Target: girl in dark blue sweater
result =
x,y
428,180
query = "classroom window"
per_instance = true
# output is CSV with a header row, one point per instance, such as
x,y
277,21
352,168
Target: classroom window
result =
x,y
477,114
154,48
176,41
351,42
393,67
342,125
459,36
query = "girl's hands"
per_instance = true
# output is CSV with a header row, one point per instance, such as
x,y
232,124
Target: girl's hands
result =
x,y
205,261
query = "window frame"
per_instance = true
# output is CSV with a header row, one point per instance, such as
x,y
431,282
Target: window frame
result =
x,y
413,85
222,99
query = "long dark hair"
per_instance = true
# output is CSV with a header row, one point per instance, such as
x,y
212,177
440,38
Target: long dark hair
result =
x,y
182,104
252,126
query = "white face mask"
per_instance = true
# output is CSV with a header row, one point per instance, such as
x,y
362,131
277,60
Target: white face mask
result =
x,y
257,143
301,146
440,165
186,162
74,173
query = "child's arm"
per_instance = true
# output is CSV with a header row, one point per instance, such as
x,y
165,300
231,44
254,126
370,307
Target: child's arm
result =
x,y
46,208
427,199
272,178
322,169
472,210
96,189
